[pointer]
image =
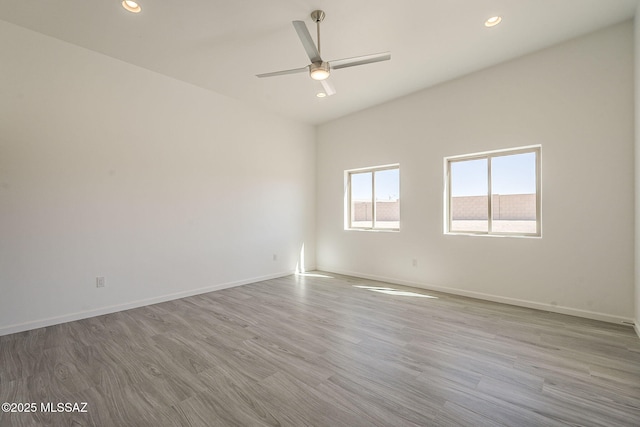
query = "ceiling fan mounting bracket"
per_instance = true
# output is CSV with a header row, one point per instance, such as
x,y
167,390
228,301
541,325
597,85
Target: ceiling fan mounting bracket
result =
x,y
317,15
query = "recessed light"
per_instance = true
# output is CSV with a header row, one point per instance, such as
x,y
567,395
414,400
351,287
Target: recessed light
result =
x,y
321,94
493,21
131,6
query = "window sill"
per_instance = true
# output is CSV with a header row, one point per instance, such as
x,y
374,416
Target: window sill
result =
x,y
375,230
519,236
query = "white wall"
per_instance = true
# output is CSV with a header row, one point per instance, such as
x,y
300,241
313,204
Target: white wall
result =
x,y
165,189
637,169
576,99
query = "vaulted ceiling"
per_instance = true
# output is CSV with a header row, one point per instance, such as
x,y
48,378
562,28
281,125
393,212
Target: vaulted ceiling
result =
x,y
222,45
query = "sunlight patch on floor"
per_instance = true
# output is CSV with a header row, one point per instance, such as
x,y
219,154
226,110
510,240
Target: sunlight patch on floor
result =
x,y
391,291
314,275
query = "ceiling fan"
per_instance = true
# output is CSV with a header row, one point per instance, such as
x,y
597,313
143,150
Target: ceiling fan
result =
x,y
318,69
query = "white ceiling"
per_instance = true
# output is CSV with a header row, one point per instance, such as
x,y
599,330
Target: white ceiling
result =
x,y
221,45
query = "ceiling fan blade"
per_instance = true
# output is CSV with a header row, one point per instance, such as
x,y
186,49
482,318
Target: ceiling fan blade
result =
x,y
282,73
328,87
360,60
307,41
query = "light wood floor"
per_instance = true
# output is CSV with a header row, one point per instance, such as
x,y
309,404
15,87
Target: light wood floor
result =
x,y
326,351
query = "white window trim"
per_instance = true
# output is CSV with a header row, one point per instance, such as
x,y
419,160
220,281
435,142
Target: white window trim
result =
x,y
347,198
488,155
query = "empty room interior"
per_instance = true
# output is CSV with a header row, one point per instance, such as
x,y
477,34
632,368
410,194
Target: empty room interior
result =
x,y
410,213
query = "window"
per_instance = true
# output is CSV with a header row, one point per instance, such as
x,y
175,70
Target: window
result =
x,y
373,198
494,193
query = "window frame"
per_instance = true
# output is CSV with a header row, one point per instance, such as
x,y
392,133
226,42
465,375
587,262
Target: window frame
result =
x,y
537,149
348,205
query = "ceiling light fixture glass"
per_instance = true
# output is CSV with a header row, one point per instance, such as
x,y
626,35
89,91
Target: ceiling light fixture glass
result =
x,y
131,6
321,95
493,21
319,70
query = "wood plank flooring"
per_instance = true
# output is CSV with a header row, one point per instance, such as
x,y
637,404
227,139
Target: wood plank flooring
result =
x,y
325,351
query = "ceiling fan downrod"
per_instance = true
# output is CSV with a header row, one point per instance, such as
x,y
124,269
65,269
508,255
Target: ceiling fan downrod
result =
x,y
318,17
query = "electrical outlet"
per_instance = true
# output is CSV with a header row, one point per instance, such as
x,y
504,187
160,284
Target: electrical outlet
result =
x,y
275,257
100,282
414,262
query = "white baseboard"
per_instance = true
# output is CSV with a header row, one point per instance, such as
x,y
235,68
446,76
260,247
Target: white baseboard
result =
x,y
41,323
494,298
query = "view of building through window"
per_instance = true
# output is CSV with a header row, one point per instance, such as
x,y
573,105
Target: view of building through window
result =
x,y
495,193
374,198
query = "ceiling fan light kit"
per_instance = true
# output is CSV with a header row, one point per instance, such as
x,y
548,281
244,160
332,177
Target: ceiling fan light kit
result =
x,y
318,69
